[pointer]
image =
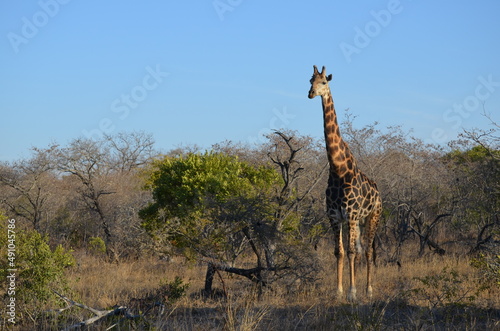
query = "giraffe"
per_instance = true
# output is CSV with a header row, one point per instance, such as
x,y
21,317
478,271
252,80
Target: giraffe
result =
x,y
350,196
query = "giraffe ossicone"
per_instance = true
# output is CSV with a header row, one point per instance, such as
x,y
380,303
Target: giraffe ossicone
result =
x,y
351,197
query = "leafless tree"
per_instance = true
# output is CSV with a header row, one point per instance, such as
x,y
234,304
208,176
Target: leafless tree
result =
x,y
130,151
26,186
107,182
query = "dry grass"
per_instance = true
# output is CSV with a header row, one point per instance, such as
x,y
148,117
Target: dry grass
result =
x,y
102,284
396,304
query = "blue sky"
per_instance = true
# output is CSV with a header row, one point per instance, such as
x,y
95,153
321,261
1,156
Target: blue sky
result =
x,y
200,72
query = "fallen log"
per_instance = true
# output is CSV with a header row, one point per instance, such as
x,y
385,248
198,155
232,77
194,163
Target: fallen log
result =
x,y
99,314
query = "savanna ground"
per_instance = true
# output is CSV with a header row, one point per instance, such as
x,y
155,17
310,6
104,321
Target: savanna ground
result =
x,y
429,293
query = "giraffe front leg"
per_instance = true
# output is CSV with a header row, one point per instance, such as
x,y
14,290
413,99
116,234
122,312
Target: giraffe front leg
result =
x,y
338,251
354,246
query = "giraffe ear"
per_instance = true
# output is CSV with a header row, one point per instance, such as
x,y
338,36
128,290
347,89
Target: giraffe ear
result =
x,y
329,77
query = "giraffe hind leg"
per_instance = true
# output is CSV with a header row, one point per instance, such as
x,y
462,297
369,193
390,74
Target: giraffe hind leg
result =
x,y
352,253
371,227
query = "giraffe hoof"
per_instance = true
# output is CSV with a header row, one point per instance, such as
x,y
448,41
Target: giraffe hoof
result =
x,y
369,292
351,296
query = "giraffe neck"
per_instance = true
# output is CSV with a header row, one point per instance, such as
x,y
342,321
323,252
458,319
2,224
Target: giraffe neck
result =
x,y
339,156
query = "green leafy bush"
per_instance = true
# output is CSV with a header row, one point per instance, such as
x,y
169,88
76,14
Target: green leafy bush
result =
x,y
202,201
38,268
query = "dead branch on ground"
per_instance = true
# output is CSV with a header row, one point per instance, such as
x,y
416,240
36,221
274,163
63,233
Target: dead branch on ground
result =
x,y
99,314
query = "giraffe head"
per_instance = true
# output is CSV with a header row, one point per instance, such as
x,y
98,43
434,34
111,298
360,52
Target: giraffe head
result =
x,y
319,83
